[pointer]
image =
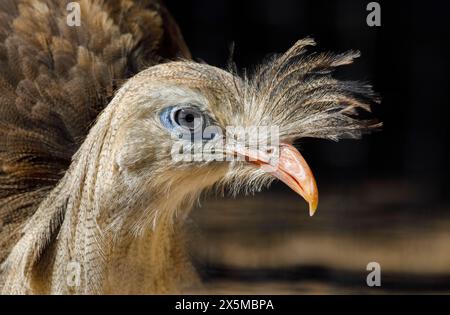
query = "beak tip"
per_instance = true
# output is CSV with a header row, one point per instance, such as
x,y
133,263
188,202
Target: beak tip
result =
x,y
312,208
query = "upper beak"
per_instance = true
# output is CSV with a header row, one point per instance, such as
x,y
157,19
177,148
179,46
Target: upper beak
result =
x,y
291,168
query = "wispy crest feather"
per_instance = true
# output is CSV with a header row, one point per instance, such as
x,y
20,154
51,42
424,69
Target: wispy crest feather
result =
x,y
298,92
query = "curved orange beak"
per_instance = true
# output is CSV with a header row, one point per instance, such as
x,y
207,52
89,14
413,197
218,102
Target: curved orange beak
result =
x,y
291,168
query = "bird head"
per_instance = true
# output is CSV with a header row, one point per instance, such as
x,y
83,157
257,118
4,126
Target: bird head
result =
x,y
184,126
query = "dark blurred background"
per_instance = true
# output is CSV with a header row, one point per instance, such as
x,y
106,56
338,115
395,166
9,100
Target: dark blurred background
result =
x,y
384,198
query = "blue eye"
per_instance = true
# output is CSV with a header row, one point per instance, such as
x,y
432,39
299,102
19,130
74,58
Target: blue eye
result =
x,y
183,119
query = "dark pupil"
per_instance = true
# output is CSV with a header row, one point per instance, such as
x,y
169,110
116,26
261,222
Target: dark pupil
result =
x,y
189,118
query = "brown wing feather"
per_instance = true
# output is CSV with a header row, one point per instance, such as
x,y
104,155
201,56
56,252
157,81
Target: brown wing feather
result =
x,y
54,81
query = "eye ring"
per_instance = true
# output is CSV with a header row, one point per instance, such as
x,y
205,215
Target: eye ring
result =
x,y
184,120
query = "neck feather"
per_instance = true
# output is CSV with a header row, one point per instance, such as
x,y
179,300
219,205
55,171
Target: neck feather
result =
x,y
77,241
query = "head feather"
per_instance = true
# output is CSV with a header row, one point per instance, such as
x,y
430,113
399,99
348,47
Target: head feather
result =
x,y
297,92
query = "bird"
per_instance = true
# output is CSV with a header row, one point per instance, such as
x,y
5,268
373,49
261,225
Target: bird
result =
x,y
92,200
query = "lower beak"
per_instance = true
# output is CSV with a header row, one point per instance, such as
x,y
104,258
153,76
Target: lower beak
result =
x,y
291,168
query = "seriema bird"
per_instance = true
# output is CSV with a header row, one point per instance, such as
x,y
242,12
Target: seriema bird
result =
x,y
92,200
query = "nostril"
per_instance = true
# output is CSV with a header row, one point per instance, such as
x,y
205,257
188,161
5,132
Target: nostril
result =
x,y
271,150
